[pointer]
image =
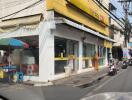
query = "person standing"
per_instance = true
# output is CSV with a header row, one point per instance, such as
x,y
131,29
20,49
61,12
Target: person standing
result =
x,y
4,59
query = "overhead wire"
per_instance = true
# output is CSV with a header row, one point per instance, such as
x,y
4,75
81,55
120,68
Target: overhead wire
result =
x,y
107,5
42,0
14,3
108,12
21,9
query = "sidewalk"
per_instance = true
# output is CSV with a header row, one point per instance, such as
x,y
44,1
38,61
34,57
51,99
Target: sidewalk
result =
x,y
82,79
79,80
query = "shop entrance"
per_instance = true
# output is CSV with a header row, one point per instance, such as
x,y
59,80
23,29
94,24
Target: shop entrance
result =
x,y
66,55
117,53
108,55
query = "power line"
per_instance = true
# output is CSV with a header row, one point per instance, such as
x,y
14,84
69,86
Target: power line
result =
x,y
109,11
105,9
42,0
12,4
22,9
126,7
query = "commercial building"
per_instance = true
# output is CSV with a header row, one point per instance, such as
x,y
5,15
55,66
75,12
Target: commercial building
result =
x,y
116,33
62,34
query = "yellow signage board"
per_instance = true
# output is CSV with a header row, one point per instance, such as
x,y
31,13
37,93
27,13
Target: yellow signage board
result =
x,y
62,7
107,44
91,8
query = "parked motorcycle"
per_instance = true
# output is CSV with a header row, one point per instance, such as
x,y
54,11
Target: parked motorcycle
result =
x,y
112,70
125,64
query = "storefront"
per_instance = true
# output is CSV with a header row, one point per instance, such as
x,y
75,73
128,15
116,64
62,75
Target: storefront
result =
x,y
65,37
76,51
66,54
48,54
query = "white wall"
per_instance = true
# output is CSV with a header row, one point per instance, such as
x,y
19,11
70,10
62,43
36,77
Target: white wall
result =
x,y
118,36
106,3
131,38
46,53
46,48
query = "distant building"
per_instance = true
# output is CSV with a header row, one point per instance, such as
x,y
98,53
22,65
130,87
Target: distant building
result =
x,y
116,32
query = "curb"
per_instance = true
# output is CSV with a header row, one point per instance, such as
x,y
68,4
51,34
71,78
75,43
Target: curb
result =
x,y
87,84
38,84
81,85
30,84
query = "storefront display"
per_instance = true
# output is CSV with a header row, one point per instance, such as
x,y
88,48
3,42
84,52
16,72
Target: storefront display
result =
x,y
66,55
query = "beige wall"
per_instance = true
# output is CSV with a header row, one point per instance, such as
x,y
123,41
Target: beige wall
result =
x,y
118,37
10,6
106,3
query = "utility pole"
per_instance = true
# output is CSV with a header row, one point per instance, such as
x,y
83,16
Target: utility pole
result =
x,y
126,7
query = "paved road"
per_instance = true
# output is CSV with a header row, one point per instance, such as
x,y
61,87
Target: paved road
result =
x,y
122,82
62,92
59,92
21,92
119,83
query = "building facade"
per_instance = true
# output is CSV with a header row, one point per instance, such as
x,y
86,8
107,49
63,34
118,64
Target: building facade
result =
x,y
118,36
116,32
66,37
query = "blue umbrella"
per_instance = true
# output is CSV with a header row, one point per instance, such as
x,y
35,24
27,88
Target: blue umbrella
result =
x,y
13,42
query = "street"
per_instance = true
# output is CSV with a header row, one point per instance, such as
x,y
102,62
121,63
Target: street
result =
x,y
118,83
122,82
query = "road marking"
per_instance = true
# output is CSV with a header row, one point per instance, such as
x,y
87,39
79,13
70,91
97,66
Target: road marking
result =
x,y
89,94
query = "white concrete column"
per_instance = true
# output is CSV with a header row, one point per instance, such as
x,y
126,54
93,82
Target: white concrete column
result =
x,y
96,48
106,57
46,54
80,55
46,50
111,57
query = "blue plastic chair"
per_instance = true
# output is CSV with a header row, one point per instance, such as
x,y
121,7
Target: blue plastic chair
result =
x,y
20,76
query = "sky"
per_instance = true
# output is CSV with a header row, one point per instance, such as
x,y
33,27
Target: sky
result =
x,y
119,13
